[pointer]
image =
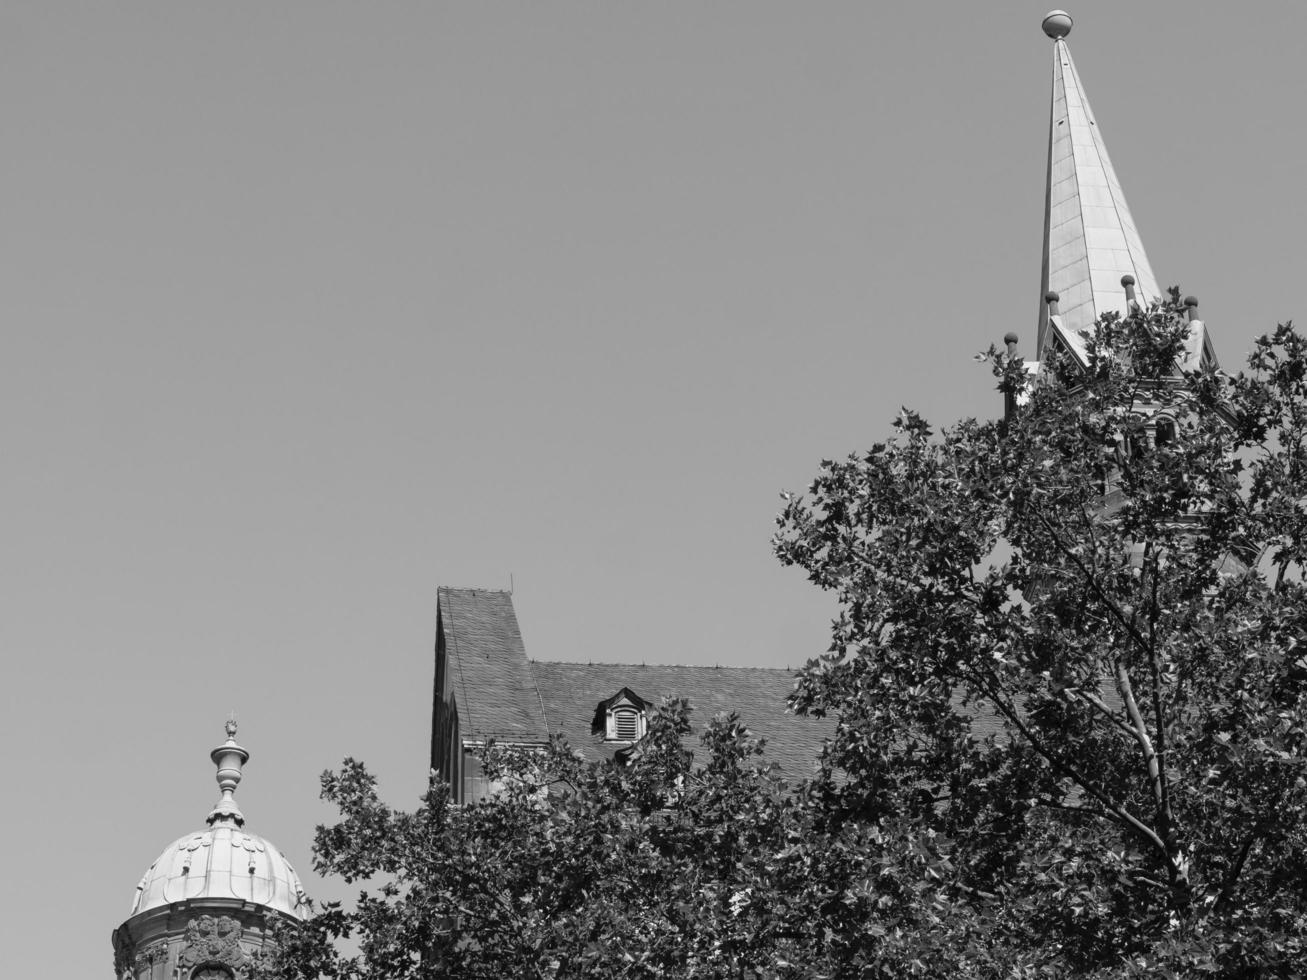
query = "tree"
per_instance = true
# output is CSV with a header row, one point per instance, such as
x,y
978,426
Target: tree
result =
x,y
572,869
659,868
1059,652
1068,682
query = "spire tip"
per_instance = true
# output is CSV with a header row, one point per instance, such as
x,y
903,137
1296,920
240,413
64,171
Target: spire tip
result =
x,y
1057,24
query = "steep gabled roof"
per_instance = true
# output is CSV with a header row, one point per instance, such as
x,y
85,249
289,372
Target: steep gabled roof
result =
x,y
570,693
487,662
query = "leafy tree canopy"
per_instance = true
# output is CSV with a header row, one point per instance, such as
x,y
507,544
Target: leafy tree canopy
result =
x,y
1068,682
1110,584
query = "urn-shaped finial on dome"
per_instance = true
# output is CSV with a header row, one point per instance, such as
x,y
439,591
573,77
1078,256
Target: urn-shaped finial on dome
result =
x,y
229,758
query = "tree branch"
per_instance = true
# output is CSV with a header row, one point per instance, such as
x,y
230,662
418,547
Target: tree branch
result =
x,y
1175,859
1141,729
1092,581
1170,849
1236,869
1159,722
1098,704
1090,811
1081,780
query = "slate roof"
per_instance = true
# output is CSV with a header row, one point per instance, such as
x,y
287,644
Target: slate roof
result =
x,y
489,671
571,692
503,695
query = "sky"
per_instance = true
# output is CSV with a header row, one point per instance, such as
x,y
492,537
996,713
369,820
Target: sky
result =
x,y
312,307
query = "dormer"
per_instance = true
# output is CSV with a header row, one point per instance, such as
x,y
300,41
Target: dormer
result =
x,y
621,718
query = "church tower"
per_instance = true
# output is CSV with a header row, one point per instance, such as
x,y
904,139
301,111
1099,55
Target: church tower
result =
x,y
1094,263
204,907
1093,258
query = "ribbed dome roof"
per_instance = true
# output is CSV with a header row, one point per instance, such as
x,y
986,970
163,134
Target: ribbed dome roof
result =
x,y
223,861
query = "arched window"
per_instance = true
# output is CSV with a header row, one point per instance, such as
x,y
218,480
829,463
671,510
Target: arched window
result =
x,y
1164,431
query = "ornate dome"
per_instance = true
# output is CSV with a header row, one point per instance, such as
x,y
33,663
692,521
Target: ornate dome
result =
x,y
223,862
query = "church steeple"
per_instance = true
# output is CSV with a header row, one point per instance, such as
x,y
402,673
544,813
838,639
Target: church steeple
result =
x,y
1094,260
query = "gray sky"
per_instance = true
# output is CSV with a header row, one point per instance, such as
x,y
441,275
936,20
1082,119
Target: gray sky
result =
x,y
312,307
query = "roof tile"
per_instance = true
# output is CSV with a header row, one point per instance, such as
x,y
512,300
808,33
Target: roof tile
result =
x,y
491,677
571,693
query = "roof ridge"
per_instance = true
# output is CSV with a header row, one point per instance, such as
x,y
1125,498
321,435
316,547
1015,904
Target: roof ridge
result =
x,y
535,685
612,663
451,639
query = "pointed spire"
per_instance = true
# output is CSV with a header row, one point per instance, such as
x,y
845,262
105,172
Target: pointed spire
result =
x,y
1091,244
228,757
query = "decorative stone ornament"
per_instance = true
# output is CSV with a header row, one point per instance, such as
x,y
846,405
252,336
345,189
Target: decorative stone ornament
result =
x,y
229,758
212,941
147,958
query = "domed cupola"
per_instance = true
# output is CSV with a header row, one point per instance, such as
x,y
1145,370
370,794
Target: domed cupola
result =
x,y
203,908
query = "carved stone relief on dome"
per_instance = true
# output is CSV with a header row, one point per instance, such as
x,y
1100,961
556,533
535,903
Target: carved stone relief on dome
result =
x,y
191,846
149,956
253,847
211,942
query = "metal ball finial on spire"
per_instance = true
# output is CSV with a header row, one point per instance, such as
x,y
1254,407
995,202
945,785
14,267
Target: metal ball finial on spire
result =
x,y
1057,24
229,758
